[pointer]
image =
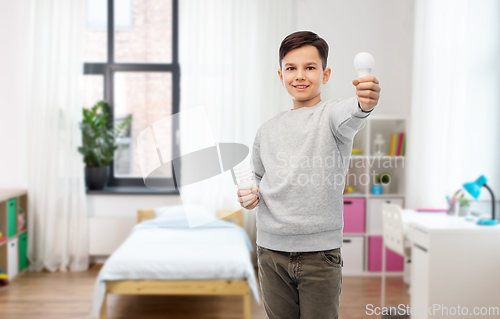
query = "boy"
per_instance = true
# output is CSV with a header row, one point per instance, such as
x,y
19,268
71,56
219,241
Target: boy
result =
x,y
300,159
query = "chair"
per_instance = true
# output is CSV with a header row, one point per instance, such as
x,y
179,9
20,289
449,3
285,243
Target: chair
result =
x,y
394,234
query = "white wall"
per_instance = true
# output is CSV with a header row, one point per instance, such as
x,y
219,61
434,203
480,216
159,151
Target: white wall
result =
x,y
126,205
383,28
13,167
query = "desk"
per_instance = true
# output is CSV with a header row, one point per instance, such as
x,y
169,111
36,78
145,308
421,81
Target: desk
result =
x,y
455,263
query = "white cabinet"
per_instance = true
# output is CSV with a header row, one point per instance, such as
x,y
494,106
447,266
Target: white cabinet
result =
x,y
352,254
419,281
12,253
454,263
375,213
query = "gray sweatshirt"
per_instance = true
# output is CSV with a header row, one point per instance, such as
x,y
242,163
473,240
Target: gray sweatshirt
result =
x,y
300,159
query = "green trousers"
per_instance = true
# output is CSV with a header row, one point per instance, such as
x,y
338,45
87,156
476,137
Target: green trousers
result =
x,y
303,285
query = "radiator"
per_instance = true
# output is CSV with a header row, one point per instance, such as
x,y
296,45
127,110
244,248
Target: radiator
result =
x,y
106,234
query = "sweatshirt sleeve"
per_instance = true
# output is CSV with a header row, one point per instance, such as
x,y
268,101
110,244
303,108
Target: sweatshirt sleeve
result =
x,y
347,118
258,167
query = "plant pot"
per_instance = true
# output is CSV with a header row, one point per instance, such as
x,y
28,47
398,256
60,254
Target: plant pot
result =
x,y
463,211
386,188
96,177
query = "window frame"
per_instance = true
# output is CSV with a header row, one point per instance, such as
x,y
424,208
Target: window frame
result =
x,y
108,70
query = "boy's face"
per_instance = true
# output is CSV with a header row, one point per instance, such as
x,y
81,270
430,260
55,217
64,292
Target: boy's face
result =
x,y
302,67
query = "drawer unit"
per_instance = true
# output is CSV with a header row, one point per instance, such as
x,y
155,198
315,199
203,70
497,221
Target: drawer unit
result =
x,y
23,251
352,254
11,217
393,261
354,215
13,241
375,225
418,237
12,253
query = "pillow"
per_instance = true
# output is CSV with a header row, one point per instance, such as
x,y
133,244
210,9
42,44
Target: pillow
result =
x,y
196,214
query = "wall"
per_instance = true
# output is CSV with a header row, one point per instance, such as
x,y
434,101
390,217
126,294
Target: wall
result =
x,y
383,28
13,164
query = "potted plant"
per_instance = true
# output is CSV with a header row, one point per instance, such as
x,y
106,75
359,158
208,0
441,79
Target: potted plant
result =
x,y
98,143
464,206
384,179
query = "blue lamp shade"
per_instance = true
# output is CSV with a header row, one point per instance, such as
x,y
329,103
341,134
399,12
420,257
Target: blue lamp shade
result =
x,y
474,188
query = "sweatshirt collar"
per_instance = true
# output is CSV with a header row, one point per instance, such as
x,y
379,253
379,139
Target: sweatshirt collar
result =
x,y
308,107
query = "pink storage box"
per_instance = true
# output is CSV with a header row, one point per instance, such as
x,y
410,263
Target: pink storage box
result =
x,y
393,261
354,215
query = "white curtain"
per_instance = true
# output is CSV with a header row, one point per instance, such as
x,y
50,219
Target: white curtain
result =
x,y
482,114
454,116
436,132
57,220
229,62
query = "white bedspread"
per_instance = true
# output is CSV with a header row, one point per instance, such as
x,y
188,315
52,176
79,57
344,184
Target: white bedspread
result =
x,y
165,248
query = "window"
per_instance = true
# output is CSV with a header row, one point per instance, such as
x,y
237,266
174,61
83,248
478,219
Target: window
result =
x,y
131,61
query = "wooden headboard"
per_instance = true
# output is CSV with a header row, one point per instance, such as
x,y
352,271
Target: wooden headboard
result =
x,y
236,217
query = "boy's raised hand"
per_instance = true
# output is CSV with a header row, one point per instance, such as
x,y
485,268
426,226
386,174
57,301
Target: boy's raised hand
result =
x,y
248,198
368,91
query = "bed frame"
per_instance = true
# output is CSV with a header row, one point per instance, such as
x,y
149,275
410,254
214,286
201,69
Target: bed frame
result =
x,y
182,287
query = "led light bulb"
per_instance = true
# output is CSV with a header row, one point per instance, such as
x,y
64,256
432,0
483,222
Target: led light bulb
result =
x,y
244,176
363,63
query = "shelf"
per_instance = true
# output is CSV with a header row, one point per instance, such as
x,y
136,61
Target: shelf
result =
x,y
384,157
19,233
6,194
130,190
9,217
373,196
385,195
364,167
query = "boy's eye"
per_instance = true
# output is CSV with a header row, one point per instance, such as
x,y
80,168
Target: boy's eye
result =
x,y
291,67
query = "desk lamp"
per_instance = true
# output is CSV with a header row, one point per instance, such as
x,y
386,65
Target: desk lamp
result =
x,y
474,188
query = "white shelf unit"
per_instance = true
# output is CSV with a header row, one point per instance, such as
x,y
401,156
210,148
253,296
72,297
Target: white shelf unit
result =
x,y
362,170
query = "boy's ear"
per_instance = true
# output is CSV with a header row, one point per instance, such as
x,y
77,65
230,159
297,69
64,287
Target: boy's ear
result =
x,y
281,76
326,75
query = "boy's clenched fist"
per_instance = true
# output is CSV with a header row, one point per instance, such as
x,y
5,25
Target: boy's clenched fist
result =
x,y
368,91
248,198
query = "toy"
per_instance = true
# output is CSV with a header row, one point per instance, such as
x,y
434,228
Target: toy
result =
x,y
377,189
21,219
4,281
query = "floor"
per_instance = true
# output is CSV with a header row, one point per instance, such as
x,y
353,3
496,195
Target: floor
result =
x,y
44,295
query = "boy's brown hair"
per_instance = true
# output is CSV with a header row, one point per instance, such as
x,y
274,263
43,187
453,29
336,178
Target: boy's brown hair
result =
x,y
301,38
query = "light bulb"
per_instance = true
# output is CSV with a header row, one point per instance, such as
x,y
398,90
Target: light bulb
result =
x,y
363,63
244,176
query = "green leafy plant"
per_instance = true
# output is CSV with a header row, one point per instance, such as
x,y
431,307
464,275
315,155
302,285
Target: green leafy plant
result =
x,y
464,202
98,137
383,178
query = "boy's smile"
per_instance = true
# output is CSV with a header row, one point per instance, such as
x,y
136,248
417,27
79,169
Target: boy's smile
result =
x,y
303,75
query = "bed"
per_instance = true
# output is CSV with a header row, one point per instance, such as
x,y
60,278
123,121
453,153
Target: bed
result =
x,y
162,255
